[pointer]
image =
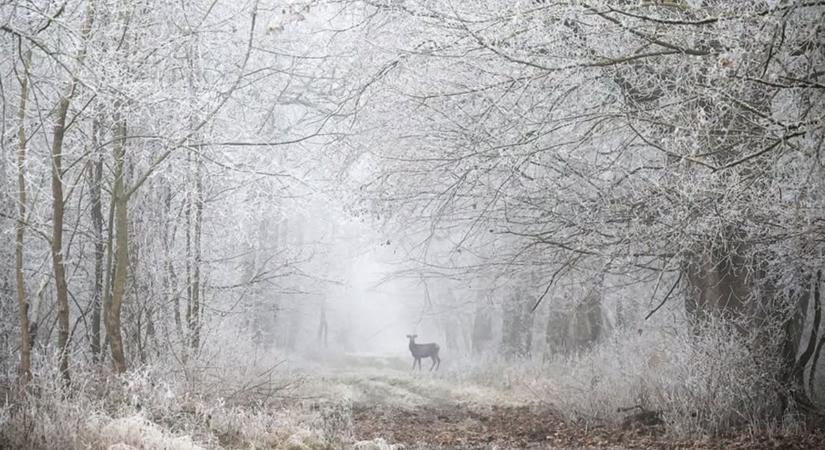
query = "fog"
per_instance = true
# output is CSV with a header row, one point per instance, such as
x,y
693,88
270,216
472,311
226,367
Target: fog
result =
x,y
379,312
387,224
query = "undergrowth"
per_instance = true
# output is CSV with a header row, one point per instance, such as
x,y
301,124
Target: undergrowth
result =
x,y
226,400
708,384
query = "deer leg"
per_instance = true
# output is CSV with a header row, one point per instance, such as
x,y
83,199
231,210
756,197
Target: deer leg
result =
x,y
439,362
414,360
433,359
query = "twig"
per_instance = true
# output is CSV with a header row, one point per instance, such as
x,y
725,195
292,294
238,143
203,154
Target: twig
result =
x,y
678,279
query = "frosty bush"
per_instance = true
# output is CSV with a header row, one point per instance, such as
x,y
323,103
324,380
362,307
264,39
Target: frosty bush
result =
x,y
334,423
47,415
160,406
709,383
719,380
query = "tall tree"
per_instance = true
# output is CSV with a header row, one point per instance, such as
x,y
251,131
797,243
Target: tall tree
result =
x,y
20,229
94,176
121,259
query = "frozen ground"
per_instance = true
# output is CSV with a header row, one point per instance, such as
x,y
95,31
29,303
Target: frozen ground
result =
x,y
363,401
390,406
387,380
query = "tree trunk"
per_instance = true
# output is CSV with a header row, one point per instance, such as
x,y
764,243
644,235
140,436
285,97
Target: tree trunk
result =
x,y
723,287
58,207
194,324
95,177
108,270
720,280
57,237
815,367
135,330
322,325
22,303
482,330
170,277
555,336
808,355
586,320
189,258
151,332
121,201
517,326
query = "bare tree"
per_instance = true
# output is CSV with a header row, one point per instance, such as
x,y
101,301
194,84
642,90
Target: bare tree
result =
x,y
20,228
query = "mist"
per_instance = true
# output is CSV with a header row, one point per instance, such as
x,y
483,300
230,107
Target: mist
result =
x,y
411,224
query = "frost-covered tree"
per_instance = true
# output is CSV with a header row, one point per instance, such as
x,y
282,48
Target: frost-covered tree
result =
x,y
631,140
170,133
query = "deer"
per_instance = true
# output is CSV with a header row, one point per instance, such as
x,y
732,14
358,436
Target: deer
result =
x,y
424,351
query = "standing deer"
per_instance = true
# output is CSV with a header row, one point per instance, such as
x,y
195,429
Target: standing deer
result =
x,y
424,351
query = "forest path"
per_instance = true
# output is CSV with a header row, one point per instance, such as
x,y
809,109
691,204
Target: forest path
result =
x,y
448,409
441,409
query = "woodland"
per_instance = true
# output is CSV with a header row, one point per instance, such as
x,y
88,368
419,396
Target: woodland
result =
x,y
220,218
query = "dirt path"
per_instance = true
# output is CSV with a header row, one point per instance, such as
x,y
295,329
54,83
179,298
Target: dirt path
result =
x,y
419,410
424,410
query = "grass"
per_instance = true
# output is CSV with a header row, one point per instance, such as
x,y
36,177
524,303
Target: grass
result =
x,y
235,398
699,386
